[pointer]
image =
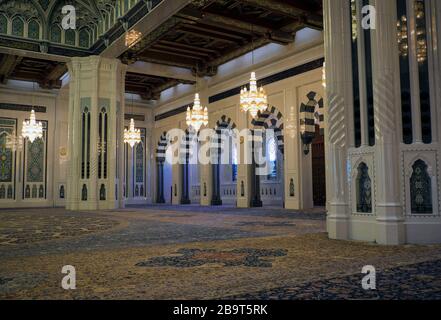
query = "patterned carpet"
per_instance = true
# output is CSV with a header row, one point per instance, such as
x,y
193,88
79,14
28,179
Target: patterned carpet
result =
x,y
193,252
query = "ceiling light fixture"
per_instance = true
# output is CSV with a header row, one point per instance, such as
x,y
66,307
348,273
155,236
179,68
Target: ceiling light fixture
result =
x,y
255,99
132,136
32,129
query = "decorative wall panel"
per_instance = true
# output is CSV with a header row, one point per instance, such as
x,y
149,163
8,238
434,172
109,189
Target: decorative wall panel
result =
x,y
8,128
35,167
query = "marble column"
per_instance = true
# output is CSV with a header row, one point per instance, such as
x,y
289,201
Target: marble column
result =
x,y
215,171
390,221
96,150
205,170
338,94
256,201
185,196
244,168
160,182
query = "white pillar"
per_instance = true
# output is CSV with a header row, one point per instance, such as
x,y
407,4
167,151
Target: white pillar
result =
x,y
414,80
390,226
338,92
205,173
96,83
244,168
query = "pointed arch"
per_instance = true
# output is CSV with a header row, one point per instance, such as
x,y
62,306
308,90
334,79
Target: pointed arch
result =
x,y
272,118
17,26
3,24
312,113
55,33
34,29
163,144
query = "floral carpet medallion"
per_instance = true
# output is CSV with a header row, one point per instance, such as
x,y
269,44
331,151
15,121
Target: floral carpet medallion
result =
x,y
187,258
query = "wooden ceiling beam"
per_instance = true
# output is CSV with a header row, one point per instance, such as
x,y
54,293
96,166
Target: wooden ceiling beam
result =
x,y
166,59
203,33
160,70
240,51
311,19
173,48
186,46
177,54
52,80
7,66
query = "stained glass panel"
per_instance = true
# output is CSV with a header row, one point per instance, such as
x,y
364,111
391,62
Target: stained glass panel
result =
x,y
69,37
3,24
17,27
84,39
33,30
55,34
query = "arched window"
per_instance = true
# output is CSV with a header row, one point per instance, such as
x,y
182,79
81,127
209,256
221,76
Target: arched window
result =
x,y
34,30
3,24
55,33
421,189
17,27
84,38
271,153
69,37
364,189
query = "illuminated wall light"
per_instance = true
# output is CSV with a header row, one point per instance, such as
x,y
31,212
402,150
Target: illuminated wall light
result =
x,y
402,34
421,43
354,20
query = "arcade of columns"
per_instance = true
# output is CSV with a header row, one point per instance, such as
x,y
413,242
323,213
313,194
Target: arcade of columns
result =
x,y
96,92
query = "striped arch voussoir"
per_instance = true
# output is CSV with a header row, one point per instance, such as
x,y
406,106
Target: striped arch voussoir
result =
x,y
272,118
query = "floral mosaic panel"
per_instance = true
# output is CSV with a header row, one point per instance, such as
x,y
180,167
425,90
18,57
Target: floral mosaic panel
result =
x,y
421,189
35,166
7,158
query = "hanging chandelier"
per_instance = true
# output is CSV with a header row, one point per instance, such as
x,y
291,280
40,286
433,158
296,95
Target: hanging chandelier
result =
x,y
255,100
132,136
198,116
32,129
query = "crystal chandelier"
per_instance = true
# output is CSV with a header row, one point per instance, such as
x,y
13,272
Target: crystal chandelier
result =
x,y
198,116
255,100
32,129
132,136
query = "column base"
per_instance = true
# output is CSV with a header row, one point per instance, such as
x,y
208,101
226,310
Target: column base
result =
x,y
390,233
338,228
216,202
255,203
